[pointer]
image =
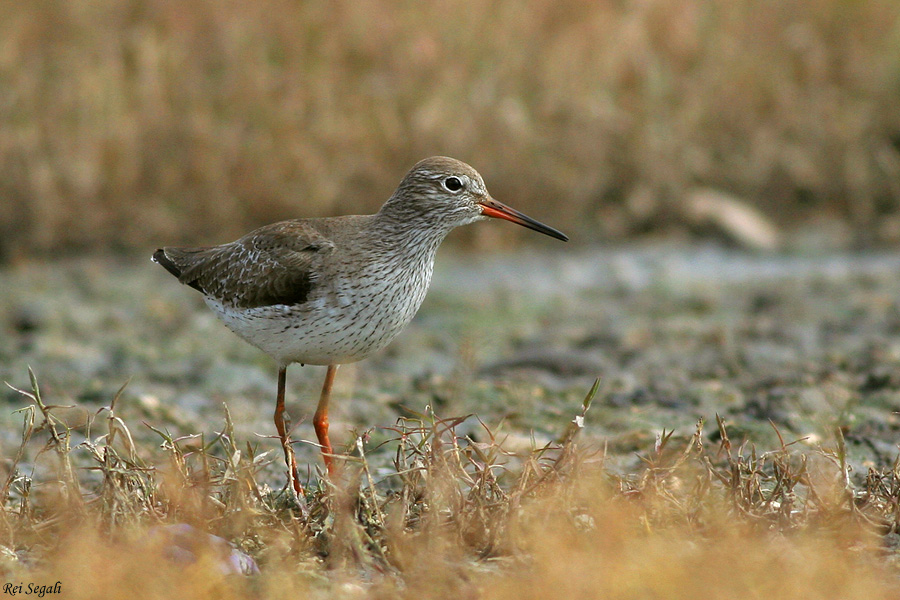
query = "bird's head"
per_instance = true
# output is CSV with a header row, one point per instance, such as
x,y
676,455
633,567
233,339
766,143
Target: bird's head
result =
x,y
451,193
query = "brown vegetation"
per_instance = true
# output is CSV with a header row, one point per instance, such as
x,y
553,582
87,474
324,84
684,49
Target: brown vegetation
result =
x,y
456,518
124,125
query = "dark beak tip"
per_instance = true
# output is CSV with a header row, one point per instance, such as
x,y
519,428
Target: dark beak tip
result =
x,y
548,231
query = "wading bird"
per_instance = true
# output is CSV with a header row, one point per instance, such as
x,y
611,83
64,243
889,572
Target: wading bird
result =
x,y
330,291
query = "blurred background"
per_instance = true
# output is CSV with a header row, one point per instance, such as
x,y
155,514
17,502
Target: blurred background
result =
x,y
638,127
125,124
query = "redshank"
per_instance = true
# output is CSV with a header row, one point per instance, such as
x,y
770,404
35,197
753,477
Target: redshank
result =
x,y
334,290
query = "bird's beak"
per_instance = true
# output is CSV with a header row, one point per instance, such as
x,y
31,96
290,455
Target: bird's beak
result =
x,y
498,210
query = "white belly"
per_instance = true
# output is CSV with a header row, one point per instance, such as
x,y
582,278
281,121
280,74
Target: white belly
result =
x,y
340,324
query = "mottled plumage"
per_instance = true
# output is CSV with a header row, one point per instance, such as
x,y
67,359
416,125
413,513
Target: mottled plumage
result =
x,y
334,290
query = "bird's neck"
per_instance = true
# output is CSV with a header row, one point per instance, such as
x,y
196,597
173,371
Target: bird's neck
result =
x,y
408,233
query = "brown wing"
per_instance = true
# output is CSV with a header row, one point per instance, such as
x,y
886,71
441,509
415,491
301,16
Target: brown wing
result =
x,y
276,264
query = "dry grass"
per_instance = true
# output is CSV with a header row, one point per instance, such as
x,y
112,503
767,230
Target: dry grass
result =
x,y
455,518
131,124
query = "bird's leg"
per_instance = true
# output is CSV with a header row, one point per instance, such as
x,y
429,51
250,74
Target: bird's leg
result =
x,y
320,420
284,435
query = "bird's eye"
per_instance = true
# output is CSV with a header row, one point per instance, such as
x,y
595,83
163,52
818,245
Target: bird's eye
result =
x,y
453,184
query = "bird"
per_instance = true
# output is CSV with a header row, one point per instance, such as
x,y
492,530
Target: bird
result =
x,y
334,290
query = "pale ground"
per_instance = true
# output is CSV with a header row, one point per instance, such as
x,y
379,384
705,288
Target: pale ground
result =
x,y
809,343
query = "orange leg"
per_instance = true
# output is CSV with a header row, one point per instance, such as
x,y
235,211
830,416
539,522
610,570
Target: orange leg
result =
x,y
290,461
320,420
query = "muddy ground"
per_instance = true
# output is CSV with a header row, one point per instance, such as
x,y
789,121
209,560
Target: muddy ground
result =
x,y
801,344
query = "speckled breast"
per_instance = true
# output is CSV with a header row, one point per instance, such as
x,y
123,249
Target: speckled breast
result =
x,y
345,319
